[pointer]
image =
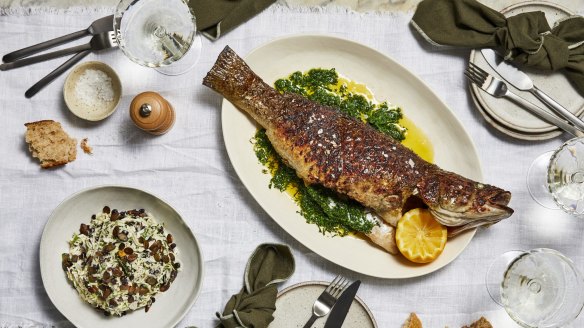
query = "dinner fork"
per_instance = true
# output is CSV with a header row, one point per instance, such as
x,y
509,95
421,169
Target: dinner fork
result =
x,y
499,89
324,303
98,42
102,41
99,26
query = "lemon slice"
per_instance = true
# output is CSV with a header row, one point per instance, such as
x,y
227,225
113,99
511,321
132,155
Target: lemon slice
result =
x,y
419,237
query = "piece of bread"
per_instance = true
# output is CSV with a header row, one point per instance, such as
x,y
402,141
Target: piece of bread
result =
x,y
481,323
86,147
412,322
50,144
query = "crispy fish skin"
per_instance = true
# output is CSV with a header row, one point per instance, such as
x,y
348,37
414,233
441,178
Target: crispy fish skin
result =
x,y
327,147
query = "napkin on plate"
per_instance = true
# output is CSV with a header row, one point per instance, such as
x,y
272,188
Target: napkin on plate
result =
x,y
526,39
217,17
253,306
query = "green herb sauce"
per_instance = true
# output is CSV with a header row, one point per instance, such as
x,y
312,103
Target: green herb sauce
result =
x,y
322,86
328,210
331,212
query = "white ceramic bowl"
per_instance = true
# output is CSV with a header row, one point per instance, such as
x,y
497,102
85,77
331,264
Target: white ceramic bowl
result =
x,y
78,107
170,306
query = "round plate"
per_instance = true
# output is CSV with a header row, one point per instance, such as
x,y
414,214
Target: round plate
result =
x,y
294,307
512,119
514,133
388,80
170,306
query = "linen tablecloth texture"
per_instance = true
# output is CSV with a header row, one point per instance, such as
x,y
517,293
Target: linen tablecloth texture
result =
x,y
189,168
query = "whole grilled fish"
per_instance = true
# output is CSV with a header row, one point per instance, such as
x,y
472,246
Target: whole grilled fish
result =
x,y
325,146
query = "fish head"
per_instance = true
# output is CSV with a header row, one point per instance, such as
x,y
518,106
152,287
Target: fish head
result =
x,y
463,204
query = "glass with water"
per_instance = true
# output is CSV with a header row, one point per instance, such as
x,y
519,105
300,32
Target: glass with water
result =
x,y
538,288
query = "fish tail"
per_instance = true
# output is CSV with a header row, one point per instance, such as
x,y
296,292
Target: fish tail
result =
x,y
230,75
232,78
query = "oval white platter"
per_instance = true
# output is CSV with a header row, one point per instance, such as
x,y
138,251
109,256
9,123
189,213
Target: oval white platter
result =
x,y
388,80
170,306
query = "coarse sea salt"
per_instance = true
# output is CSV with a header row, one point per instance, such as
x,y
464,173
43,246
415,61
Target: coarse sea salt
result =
x,y
94,88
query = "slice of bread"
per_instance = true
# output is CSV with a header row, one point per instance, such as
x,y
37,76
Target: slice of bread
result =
x,y
412,322
50,144
481,323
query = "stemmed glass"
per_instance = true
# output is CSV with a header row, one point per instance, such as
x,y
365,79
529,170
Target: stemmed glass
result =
x,y
540,288
159,34
556,179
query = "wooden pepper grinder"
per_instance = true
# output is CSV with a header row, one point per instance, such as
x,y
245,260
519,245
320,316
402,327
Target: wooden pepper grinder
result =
x,y
152,113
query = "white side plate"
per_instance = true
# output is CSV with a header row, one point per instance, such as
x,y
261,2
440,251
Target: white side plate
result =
x,y
294,307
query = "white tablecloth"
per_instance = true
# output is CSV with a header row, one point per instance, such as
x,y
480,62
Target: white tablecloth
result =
x,y
190,169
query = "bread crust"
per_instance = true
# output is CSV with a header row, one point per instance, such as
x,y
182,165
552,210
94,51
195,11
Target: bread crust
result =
x,y
48,142
412,322
481,323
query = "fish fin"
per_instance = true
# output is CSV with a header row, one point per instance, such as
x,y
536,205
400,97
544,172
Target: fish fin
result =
x,y
383,235
390,216
230,74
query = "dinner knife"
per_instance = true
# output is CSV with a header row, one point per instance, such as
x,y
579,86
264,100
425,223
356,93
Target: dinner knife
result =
x,y
99,26
522,82
342,306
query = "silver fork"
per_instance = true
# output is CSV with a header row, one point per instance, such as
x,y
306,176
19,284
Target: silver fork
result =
x,y
101,41
323,305
98,42
499,89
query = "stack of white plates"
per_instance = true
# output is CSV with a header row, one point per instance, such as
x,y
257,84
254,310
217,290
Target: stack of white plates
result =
x,y
510,118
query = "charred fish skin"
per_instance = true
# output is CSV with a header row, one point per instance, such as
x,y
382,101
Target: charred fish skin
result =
x,y
323,145
327,147
234,79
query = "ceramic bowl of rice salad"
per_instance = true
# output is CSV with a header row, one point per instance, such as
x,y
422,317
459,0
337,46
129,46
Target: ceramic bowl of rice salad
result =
x,y
114,256
121,260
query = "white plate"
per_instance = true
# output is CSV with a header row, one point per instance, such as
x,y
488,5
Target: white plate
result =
x,y
512,117
294,307
509,131
388,80
170,306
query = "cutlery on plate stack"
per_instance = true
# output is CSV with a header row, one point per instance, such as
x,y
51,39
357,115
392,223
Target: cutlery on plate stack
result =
x,y
560,116
335,301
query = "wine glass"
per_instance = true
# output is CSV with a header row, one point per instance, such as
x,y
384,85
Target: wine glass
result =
x,y
538,288
158,33
556,179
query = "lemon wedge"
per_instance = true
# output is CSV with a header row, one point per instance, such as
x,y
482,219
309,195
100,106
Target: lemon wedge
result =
x,y
419,237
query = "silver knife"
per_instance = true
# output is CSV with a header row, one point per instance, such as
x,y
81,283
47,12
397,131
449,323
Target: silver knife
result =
x,y
99,26
342,306
522,82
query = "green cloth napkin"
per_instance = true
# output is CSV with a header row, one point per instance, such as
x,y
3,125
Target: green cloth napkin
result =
x,y
253,306
525,39
217,17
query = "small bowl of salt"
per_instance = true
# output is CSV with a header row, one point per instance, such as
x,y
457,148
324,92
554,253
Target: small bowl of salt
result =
x,y
92,91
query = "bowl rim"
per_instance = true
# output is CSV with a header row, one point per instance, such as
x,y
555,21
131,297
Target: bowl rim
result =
x,y
107,70
51,217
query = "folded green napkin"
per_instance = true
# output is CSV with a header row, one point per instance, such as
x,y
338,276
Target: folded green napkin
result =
x,y
217,17
525,39
253,306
